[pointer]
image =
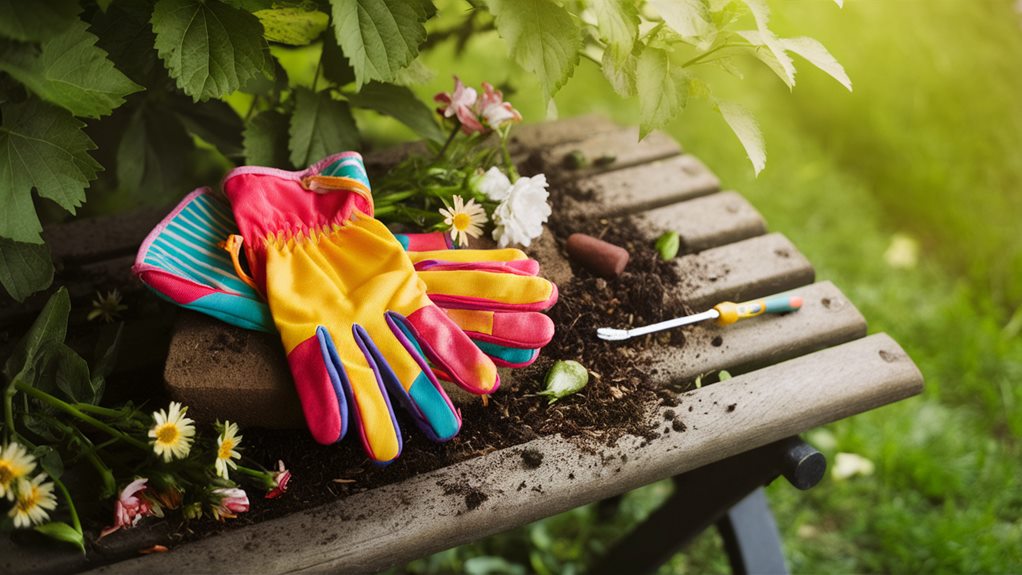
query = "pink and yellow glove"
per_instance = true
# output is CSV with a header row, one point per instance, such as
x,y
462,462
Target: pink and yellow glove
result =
x,y
354,317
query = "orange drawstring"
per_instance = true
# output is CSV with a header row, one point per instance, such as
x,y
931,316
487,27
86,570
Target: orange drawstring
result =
x,y
233,246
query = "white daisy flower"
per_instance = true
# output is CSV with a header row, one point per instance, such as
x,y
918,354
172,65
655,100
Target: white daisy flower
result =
x,y
34,502
464,220
172,432
15,463
226,453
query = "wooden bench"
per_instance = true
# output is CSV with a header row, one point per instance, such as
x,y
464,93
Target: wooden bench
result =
x,y
792,373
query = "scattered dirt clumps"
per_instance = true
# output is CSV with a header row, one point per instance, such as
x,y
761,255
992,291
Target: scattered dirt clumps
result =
x,y
532,458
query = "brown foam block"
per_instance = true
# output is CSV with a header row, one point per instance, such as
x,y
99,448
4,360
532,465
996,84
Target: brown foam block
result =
x,y
602,258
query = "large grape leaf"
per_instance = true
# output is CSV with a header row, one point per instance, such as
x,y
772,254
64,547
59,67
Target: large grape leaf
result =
x,y
776,57
41,146
71,72
320,126
401,104
127,37
543,38
662,89
36,20
210,48
380,37
24,268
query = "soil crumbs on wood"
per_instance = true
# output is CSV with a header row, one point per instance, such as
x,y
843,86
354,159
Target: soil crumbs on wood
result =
x,y
616,401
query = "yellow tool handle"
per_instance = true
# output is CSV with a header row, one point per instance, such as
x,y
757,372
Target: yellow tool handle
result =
x,y
730,312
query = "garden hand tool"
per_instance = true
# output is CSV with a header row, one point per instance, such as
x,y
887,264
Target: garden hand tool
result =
x,y
181,261
726,313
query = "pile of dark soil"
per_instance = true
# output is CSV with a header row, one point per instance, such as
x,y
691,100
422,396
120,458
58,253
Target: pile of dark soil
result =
x,y
614,403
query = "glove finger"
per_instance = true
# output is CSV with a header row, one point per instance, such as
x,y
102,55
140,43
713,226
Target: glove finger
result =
x,y
496,255
504,356
522,330
471,289
365,376
322,387
425,242
409,379
448,348
524,267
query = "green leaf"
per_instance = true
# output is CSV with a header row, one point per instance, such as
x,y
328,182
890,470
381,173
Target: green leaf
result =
x,y
618,25
67,370
662,89
565,378
152,152
210,48
320,126
292,25
620,70
62,532
49,460
215,121
779,61
127,36
266,139
667,245
380,37
543,38
36,20
24,268
745,127
50,326
335,66
617,22
402,105
818,56
689,18
41,146
108,347
71,72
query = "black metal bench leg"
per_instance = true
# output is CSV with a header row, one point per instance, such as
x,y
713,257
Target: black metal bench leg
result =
x,y
703,496
751,538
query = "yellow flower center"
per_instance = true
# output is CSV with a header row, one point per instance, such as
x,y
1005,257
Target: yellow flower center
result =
x,y
167,433
28,501
225,449
461,221
6,473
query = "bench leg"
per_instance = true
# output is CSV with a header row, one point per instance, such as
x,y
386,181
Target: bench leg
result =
x,y
703,496
751,538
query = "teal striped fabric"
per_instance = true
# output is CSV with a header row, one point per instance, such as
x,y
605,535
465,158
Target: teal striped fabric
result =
x,y
188,246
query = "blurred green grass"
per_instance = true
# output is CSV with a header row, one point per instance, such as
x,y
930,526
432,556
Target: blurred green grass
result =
x,y
928,148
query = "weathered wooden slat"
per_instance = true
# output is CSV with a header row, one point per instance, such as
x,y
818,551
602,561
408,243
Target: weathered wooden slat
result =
x,y
528,137
743,270
608,151
637,188
704,222
388,526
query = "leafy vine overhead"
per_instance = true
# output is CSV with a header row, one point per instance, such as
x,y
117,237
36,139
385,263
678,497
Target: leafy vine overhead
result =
x,y
131,95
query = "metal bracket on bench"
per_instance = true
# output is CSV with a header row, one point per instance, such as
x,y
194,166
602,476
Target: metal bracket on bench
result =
x,y
704,496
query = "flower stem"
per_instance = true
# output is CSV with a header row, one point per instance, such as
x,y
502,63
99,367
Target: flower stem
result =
x,y
73,411
98,410
447,144
512,172
9,413
75,522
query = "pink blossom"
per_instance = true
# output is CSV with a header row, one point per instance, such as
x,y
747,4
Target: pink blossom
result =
x,y
282,477
494,110
460,103
131,507
232,502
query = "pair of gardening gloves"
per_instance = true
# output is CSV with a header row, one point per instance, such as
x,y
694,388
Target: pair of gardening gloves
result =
x,y
366,317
